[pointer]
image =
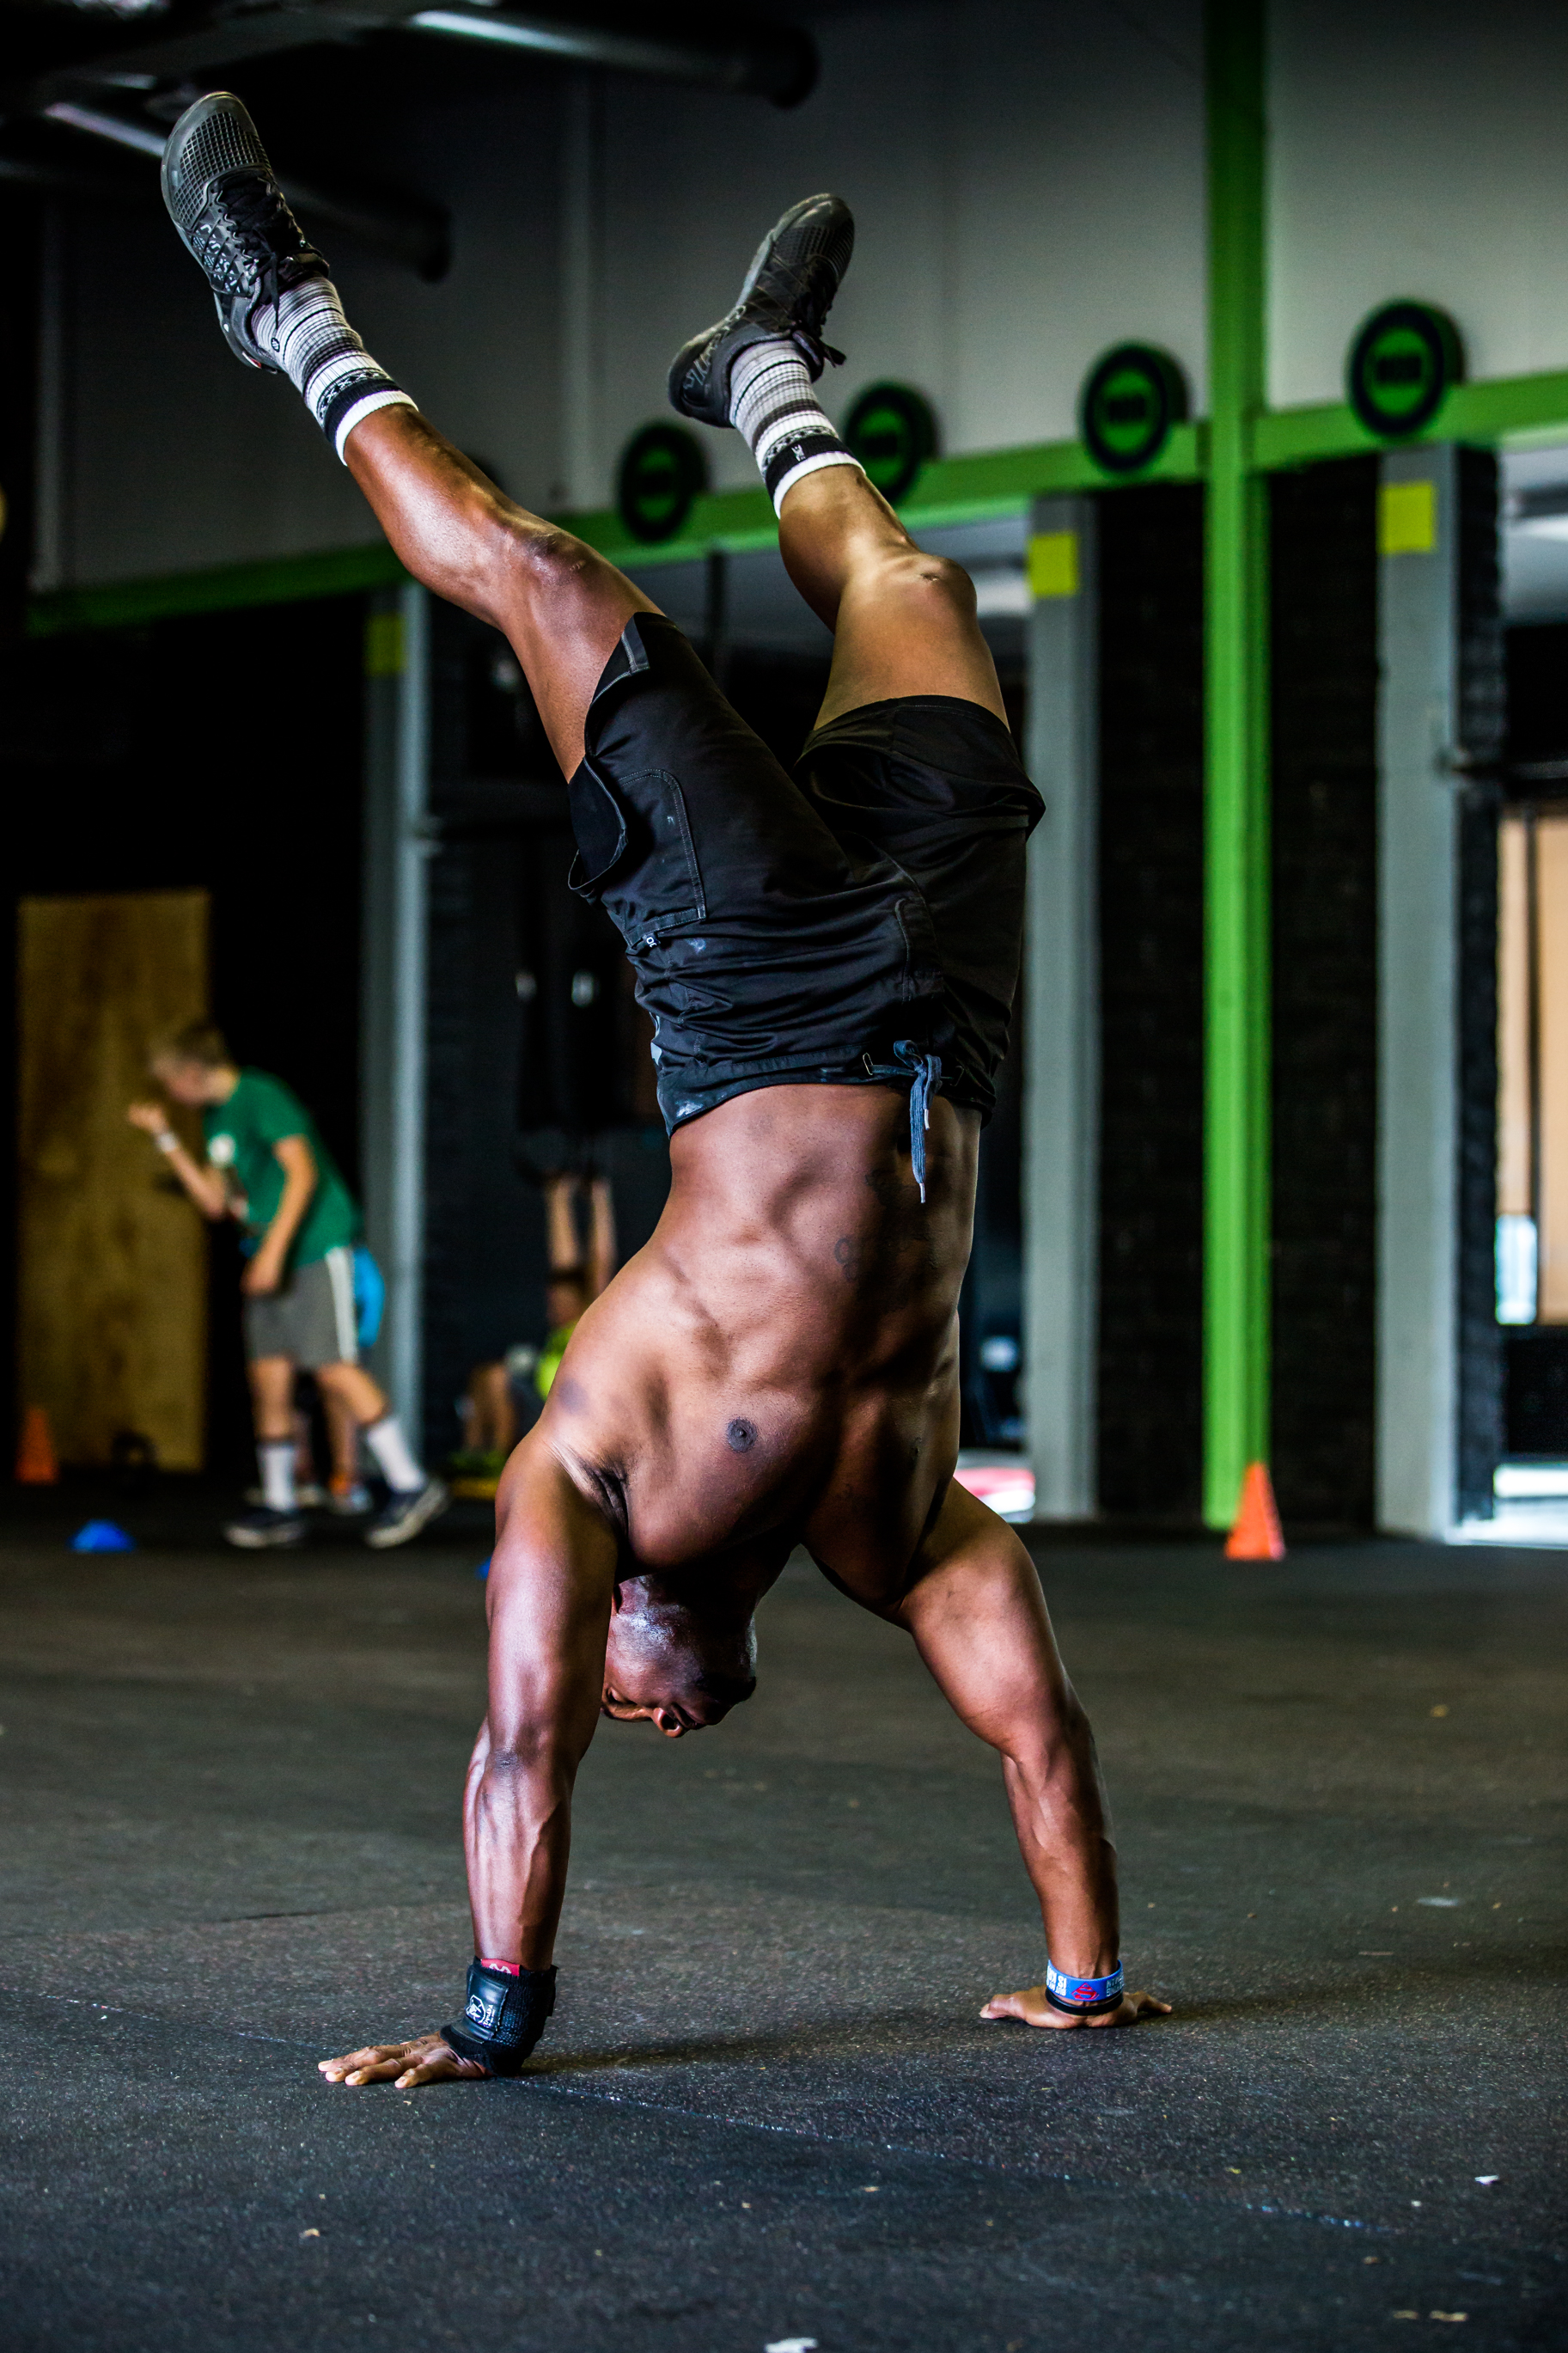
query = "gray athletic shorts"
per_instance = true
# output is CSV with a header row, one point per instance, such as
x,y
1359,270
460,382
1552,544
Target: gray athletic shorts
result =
x,y
311,1320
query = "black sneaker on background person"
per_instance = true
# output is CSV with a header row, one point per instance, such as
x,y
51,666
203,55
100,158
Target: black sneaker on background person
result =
x,y
794,274
264,1530
402,1516
225,200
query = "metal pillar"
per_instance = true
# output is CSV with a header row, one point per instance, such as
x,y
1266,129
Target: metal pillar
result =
x,y
1417,1240
1061,1015
1237,1065
398,847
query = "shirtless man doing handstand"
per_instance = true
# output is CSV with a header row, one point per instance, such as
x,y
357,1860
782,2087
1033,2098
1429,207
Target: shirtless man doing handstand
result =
x,y
830,961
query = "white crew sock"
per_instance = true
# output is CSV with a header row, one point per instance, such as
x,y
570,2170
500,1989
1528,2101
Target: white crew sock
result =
x,y
276,1457
324,360
385,1440
773,406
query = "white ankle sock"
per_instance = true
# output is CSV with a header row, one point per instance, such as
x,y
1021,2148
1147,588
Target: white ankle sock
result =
x,y
773,406
324,360
276,1459
385,1440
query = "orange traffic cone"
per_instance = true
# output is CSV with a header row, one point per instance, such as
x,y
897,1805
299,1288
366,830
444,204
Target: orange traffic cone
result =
x,y
36,1464
1256,1533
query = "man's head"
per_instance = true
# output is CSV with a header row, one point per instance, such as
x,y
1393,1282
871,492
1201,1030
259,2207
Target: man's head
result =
x,y
193,1065
675,1663
566,1295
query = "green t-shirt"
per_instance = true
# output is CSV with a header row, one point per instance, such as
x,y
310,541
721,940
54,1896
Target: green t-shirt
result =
x,y
240,1137
550,1360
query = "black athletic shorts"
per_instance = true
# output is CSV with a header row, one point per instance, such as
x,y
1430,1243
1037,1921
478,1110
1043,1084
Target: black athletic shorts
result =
x,y
838,927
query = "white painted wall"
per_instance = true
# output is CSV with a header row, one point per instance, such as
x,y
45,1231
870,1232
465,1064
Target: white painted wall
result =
x,y
1418,149
1028,186
162,454
1027,177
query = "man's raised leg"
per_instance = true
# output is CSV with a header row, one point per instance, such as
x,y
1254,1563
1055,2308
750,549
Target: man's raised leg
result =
x,y
561,606
903,622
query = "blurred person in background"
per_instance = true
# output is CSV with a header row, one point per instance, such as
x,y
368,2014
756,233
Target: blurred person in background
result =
x,y
504,1395
267,1167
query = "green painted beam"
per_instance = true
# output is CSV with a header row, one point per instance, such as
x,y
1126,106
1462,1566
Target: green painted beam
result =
x,y
950,491
1235,910
1502,409
285,580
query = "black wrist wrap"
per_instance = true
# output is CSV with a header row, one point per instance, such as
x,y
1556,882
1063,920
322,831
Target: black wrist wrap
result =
x,y
503,2017
1085,2009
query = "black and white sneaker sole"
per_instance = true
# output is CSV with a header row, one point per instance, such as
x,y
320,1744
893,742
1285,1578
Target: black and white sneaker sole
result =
x,y
428,1505
213,156
795,273
272,1539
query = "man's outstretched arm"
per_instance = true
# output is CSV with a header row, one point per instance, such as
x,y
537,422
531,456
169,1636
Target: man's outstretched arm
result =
x,y
979,1621
550,1586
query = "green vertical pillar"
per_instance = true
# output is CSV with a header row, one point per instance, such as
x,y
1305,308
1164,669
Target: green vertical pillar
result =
x,y
1236,1039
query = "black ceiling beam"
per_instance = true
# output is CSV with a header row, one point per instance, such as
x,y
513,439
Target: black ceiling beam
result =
x,y
777,62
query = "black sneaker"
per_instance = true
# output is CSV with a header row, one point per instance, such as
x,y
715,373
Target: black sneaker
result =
x,y
229,210
794,274
401,1518
261,1530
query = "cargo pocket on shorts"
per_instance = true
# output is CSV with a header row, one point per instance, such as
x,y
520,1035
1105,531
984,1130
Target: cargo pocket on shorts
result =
x,y
635,851
923,975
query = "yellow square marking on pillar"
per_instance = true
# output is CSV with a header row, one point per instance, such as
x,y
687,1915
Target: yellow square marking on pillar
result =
x,y
383,646
1053,564
1406,518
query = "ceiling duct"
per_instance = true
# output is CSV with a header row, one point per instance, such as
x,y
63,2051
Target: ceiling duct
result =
x,y
404,228
117,97
776,61
773,61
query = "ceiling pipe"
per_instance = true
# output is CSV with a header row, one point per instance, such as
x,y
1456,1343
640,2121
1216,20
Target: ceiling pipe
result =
x,y
100,124
778,62
405,229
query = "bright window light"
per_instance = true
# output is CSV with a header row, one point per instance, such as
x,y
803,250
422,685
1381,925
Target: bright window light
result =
x,y
1516,1266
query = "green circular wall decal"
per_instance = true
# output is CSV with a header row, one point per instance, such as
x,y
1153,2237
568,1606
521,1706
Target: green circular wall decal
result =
x,y
663,469
893,430
1400,365
1130,401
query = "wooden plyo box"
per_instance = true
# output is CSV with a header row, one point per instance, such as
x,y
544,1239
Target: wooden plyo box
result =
x,y
111,1323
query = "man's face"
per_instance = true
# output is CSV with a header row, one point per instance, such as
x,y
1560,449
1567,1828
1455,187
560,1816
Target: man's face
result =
x,y
653,1671
183,1082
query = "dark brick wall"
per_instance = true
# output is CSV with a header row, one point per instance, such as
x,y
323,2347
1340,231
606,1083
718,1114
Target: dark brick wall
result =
x,y
1482,724
1151,998
173,757
1323,751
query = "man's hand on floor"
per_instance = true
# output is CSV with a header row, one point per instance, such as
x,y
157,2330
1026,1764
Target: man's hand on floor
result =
x,y
424,2060
1034,2010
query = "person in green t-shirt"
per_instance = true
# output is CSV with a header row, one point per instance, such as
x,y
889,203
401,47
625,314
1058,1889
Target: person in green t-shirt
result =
x,y
268,1166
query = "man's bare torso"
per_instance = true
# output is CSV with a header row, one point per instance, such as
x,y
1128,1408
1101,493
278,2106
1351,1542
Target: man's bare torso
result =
x,y
779,1365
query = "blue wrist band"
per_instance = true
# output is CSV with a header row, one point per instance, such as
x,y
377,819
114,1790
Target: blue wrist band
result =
x,y
1085,1996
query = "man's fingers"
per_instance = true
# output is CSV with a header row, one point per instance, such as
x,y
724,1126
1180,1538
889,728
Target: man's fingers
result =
x,y
373,2051
1033,2009
444,2067
425,2060
1030,2008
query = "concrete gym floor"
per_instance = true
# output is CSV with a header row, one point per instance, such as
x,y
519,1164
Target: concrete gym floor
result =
x,y
766,2110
